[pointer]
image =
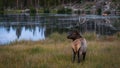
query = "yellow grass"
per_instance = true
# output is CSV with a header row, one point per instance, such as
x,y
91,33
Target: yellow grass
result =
x,y
57,54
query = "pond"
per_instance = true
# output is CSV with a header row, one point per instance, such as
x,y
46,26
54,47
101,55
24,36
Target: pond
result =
x,y
25,27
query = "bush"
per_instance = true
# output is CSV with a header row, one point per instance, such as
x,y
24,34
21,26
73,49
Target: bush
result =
x,y
1,11
78,12
46,11
32,10
99,11
64,11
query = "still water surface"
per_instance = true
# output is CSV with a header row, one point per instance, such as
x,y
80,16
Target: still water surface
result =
x,y
25,27
12,34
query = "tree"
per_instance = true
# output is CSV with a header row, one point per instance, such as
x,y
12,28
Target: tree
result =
x,y
1,6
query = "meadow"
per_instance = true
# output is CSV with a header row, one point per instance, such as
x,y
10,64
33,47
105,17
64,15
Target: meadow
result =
x,y
56,52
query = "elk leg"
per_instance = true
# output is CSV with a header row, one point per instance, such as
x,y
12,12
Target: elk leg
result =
x,y
84,54
74,54
78,55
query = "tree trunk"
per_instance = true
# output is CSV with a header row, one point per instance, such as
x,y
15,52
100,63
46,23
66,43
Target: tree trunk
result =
x,y
17,3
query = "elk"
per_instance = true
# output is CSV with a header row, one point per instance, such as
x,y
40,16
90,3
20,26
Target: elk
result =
x,y
79,45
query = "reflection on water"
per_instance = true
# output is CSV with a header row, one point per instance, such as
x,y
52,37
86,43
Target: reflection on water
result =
x,y
38,27
9,34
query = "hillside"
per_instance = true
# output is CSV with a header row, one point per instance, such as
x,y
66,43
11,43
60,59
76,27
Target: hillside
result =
x,y
84,6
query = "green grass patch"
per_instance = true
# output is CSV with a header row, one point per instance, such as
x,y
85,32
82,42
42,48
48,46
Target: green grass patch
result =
x,y
56,52
90,36
58,37
36,50
12,11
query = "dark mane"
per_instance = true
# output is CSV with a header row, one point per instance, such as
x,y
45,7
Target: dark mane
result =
x,y
74,34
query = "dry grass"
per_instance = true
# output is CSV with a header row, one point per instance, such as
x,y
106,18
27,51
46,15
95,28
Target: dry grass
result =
x,y
57,54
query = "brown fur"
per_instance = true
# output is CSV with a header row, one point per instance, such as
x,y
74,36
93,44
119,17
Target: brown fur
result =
x,y
76,45
79,45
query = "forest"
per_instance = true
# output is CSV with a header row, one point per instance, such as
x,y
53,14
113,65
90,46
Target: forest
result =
x,y
47,5
21,4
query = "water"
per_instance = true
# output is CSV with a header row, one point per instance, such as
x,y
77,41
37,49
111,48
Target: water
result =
x,y
25,27
9,34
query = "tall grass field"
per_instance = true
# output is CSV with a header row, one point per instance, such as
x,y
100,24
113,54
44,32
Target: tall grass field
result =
x,y
56,52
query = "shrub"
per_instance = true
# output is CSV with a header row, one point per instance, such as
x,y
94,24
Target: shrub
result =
x,y
78,12
32,10
99,11
64,11
1,11
46,11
